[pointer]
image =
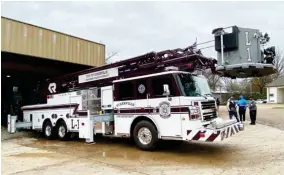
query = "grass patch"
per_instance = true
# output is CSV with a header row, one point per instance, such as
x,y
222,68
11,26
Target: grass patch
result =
x,y
279,107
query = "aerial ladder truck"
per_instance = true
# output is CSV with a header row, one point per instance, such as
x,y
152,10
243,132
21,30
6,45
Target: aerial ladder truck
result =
x,y
152,97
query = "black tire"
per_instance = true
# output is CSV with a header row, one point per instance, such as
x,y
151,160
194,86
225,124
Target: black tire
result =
x,y
153,131
62,132
48,130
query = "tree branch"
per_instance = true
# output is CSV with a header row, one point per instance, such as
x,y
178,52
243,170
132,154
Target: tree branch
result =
x,y
112,54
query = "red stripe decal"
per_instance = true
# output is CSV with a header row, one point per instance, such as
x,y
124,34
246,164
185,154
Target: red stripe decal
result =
x,y
149,110
75,110
213,136
232,131
82,113
188,132
236,128
197,136
228,130
222,134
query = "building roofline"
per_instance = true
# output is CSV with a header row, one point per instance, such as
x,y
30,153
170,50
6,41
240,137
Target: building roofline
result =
x,y
275,83
276,86
52,30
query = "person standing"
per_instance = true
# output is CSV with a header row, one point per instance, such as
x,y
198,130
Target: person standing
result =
x,y
232,108
252,111
218,104
242,103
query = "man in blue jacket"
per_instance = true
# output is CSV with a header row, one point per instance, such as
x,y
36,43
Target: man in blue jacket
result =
x,y
242,103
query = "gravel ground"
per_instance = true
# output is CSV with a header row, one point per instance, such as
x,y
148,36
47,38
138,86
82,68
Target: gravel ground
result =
x,y
267,114
271,115
257,150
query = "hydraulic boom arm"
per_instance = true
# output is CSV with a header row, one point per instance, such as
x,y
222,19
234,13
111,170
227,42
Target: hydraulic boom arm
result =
x,y
239,55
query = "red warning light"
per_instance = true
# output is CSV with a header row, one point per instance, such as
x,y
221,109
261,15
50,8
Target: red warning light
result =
x,y
202,134
189,66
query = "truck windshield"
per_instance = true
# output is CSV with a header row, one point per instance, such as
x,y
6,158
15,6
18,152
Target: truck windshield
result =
x,y
192,85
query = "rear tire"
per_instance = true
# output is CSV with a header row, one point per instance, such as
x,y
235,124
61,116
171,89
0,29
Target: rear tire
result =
x,y
145,135
48,130
62,131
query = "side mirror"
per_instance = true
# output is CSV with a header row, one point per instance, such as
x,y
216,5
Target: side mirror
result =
x,y
166,90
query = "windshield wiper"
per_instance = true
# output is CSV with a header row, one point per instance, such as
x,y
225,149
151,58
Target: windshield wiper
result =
x,y
202,95
209,95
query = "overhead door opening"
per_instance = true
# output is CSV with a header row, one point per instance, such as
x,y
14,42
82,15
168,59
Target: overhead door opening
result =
x,y
22,78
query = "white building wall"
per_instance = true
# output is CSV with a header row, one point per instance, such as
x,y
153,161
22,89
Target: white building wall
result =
x,y
272,95
280,95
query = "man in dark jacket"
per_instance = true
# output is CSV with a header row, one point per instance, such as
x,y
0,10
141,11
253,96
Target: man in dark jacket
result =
x,y
218,103
252,111
232,108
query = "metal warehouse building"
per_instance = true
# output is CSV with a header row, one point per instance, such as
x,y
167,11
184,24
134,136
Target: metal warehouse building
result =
x,y
30,54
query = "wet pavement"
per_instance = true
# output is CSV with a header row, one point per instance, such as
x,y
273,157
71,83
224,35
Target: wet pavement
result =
x,y
267,114
271,115
257,150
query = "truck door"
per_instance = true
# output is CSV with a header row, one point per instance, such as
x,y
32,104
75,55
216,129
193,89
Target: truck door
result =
x,y
37,120
166,113
107,97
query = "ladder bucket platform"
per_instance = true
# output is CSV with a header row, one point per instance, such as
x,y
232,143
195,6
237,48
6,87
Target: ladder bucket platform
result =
x,y
246,70
241,53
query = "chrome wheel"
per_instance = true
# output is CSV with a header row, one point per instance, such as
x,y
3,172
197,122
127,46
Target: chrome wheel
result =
x,y
144,135
61,131
48,130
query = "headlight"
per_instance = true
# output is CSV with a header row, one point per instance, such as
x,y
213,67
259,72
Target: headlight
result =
x,y
194,113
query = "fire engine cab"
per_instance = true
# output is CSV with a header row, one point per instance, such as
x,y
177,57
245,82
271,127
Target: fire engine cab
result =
x,y
156,96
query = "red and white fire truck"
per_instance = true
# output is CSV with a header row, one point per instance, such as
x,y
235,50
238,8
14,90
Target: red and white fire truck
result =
x,y
156,96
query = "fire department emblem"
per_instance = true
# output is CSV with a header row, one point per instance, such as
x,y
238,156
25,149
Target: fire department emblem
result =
x,y
165,109
141,88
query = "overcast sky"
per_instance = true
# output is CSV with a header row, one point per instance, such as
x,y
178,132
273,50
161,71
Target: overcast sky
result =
x,y
133,28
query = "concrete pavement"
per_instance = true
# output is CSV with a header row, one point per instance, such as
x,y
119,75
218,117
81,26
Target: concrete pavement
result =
x,y
257,150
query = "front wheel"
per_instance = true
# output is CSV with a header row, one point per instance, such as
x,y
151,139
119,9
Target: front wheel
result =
x,y
145,135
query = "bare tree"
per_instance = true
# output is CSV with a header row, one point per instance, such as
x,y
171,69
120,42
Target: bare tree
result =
x,y
236,85
279,63
245,85
110,55
229,85
213,80
261,82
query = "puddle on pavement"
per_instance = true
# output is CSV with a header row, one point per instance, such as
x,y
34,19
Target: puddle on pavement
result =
x,y
123,152
35,155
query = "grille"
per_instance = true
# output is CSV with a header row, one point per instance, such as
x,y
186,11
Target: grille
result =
x,y
207,105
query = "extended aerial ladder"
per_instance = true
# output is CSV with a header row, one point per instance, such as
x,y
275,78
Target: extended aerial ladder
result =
x,y
189,59
239,55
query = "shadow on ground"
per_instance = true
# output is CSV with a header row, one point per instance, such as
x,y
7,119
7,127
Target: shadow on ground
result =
x,y
123,152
